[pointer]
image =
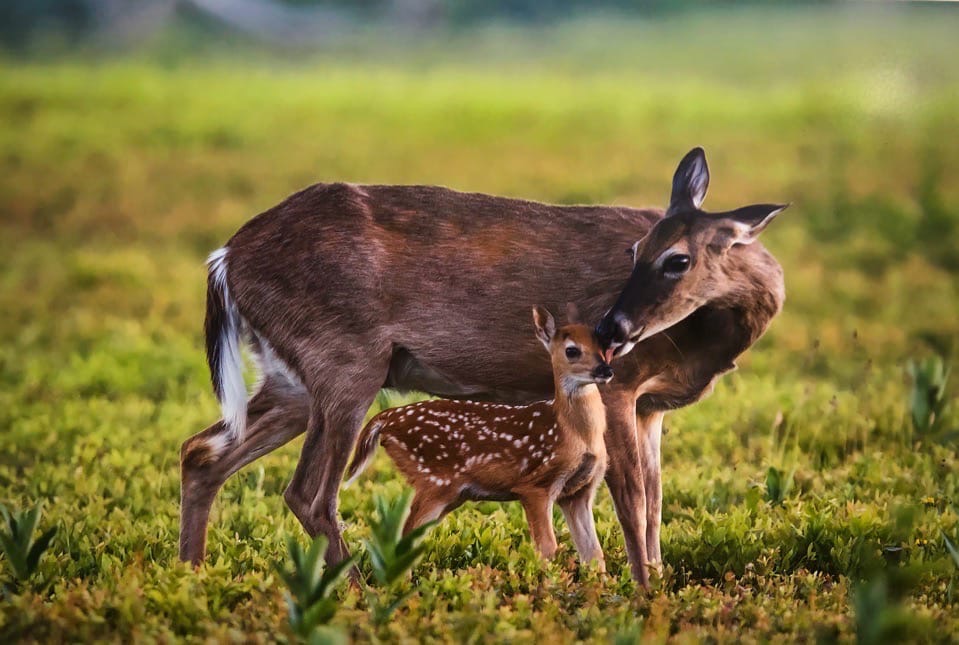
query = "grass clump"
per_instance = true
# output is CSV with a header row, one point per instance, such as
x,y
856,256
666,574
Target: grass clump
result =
x,y
927,399
21,549
392,555
310,586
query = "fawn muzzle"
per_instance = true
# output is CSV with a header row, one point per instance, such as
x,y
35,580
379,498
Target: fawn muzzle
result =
x,y
603,373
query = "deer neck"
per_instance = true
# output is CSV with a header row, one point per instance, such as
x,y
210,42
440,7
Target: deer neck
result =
x,y
579,410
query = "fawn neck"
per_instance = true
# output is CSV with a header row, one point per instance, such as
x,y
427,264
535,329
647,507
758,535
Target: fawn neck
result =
x,y
579,409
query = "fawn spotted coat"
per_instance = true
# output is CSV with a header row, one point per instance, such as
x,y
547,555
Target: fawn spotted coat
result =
x,y
551,451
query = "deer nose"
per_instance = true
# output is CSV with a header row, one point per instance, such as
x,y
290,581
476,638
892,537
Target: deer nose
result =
x,y
603,372
612,329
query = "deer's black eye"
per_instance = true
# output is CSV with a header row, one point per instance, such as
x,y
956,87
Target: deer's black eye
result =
x,y
676,264
573,352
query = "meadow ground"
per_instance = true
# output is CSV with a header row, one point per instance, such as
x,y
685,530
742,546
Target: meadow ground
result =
x,y
118,177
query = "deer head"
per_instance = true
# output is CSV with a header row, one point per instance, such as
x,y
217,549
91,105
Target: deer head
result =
x,y
574,352
683,262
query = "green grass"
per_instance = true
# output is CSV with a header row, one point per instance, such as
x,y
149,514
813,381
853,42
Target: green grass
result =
x,y
117,178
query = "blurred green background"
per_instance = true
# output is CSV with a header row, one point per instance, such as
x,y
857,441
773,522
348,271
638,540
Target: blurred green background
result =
x,y
137,136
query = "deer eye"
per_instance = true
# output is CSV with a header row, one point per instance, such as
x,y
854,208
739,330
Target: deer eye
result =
x,y
573,352
676,264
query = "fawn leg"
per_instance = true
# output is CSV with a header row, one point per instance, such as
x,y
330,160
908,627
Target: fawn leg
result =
x,y
539,515
649,430
427,508
578,511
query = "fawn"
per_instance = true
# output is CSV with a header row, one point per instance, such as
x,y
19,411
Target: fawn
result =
x,y
551,451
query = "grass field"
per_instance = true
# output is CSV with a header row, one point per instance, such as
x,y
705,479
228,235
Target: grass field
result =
x,y
118,177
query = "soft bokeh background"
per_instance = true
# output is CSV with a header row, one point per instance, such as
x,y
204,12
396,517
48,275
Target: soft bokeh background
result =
x,y
801,498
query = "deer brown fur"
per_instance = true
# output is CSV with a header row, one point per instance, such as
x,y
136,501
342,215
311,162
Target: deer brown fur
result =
x,y
342,289
451,452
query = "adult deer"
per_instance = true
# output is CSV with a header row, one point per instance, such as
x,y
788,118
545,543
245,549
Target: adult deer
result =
x,y
342,289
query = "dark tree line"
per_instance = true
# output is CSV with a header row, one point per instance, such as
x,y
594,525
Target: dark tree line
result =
x,y
26,22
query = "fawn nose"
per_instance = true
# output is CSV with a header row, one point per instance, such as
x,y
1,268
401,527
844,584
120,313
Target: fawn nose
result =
x,y
603,372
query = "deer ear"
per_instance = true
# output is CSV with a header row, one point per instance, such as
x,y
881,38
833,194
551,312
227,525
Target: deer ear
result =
x,y
743,225
572,313
689,183
545,325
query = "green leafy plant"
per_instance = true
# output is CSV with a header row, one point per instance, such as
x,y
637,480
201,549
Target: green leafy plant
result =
x,y
778,484
878,617
630,636
953,551
954,554
879,599
21,550
927,398
310,587
393,555
784,446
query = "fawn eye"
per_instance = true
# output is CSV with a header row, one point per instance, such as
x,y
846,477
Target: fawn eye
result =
x,y
676,264
573,352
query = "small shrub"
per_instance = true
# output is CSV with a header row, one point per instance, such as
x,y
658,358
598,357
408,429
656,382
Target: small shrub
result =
x,y
393,555
954,554
927,399
311,584
21,550
778,484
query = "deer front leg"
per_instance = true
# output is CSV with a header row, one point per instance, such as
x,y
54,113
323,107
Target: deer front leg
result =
x,y
539,515
624,477
578,511
649,432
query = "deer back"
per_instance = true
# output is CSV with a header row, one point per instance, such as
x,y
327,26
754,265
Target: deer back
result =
x,y
447,279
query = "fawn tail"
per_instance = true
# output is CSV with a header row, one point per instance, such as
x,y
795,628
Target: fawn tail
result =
x,y
365,449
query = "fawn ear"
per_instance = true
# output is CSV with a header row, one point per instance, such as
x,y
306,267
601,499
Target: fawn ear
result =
x,y
572,313
545,325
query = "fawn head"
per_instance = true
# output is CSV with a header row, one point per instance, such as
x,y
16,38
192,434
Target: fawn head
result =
x,y
681,263
574,351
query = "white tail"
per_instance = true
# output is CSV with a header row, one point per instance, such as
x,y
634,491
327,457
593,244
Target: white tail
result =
x,y
223,347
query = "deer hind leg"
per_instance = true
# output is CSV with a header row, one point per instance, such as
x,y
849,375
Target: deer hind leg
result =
x,y
578,511
649,431
341,399
539,515
276,414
